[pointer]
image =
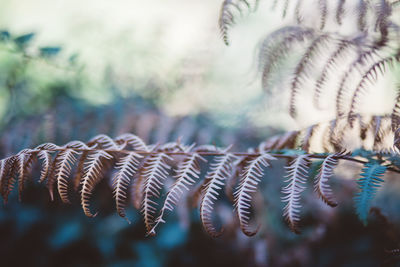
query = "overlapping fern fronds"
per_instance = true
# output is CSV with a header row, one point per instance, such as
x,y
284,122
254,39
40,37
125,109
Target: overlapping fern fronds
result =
x,y
143,170
365,50
368,132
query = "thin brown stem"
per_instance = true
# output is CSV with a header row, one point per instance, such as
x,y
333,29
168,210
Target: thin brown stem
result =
x,y
219,153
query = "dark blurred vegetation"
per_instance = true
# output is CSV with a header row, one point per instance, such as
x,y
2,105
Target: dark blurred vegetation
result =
x,y
41,101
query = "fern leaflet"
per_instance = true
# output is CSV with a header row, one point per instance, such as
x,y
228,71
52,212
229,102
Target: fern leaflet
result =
x,y
220,169
93,174
368,183
321,185
297,173
248,185
187,172
127,167
155,173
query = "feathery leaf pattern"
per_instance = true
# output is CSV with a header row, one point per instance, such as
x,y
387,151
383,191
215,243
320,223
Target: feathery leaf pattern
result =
x,y
321,185
25,160
248,185
220,169
368,183
395,116
127,167
227,14
142,171
186,175
370,75
297,173
155,173
63,165
151,167
93,174
45,156
8,177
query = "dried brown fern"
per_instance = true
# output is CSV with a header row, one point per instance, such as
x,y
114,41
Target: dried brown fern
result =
x,y
374,41
248,185
321,185
142,171
229,10
154,162
127,166
220,169
296,179
338,135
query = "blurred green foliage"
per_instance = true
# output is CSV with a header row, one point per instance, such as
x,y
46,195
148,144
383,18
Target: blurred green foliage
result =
x,y
33,79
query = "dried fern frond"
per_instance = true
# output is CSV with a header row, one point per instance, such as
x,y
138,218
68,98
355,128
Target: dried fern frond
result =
x,y
233,180
342,48
323,7
25,160
338,135
136,190
370,75
374,40
127,167
297,12
277,46
395,116
45,156
220,168
105,142
79,171
340,11
63,165
321,185
149,170
306,140
362,59
362,10
278,142
301,68
297,173
155,172
228,12
285,8
186,175
8,178
91,177
248,185
133,140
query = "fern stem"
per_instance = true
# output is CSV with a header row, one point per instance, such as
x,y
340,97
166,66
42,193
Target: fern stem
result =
x,y
213,153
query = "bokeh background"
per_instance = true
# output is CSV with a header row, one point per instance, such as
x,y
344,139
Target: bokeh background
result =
x,y
159,69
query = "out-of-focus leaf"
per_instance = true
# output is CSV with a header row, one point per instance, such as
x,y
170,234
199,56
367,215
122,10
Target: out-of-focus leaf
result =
x,y
4,36
50,51
23,40
73,58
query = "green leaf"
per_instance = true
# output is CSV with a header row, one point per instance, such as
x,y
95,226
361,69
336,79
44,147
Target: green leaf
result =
x,y
24,40
50,51
4,36
368,183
